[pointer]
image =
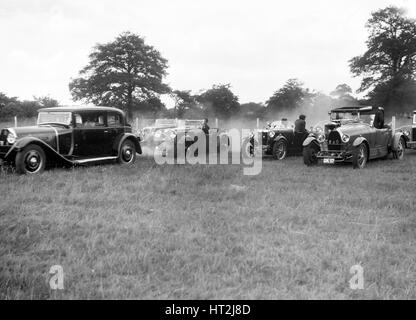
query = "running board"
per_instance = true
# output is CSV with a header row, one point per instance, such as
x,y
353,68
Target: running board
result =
x,y
94,160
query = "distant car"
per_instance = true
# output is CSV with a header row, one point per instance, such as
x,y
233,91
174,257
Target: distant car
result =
x,y
279,139
185,135
69,136
353,135
152,135
409,132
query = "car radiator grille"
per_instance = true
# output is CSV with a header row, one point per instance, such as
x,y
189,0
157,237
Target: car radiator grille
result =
x,y
334,141
414,134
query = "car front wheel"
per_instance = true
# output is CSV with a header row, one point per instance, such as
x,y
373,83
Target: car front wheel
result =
x,y
127,153
279,150
310,154
359,158
399,152
30,160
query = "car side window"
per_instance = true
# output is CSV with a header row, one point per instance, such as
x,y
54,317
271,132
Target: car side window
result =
x,y
90,120
114,120
78,120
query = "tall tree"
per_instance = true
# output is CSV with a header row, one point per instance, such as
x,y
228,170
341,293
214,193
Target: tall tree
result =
x,y
389,64
184,102
342,90
290,97
122,74
219,101
47,102
343,96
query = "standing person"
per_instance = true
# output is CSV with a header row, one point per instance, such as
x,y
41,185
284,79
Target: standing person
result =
x,y
300,124
205,126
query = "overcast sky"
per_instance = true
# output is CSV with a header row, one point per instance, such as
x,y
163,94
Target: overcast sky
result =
x,y
254,45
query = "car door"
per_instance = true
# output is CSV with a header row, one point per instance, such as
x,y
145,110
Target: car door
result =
x,y
90,137
115,128
382,138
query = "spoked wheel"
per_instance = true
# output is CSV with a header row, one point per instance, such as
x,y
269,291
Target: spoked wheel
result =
x,y
248,148
399,152
279,150
30,160
127,153
310,154
359,159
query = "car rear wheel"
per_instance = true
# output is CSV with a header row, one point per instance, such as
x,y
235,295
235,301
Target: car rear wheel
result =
x,y
359,158
127,153
30,160
310,153
279,150
399,152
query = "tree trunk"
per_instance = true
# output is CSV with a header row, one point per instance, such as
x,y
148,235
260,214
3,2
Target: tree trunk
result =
x,y
130,103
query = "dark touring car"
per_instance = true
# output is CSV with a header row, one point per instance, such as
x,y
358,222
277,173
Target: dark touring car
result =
x,y
279,139
353,135
409,133
68,136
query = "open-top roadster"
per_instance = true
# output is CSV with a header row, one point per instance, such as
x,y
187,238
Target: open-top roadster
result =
x,y
279,139
353,135
69,136
153,135
185,135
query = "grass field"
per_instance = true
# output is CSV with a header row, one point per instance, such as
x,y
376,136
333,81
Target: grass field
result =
x,y
209,232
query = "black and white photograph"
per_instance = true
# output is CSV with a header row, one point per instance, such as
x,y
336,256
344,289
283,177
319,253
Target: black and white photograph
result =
x,y
207,155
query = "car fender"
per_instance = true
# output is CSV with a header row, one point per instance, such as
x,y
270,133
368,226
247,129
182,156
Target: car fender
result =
x,y
396,139
309,140
49,151
123,137
358,141
279,138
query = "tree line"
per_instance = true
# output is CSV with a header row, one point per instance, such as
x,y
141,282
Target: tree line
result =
x,y
129,74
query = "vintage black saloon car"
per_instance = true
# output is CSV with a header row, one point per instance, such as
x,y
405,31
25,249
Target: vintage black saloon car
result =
x,y
279,139
68,136
353,135
409,132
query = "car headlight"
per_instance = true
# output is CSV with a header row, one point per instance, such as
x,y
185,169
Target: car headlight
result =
x,y
321,138
345,138
272,134
158,134
406,133
11,137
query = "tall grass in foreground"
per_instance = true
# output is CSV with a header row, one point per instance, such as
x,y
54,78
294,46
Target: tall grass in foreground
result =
x,y
208,232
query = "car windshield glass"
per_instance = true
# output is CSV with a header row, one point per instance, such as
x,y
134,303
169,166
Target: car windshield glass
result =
x,y
344,116
414,118
55,118
165,123
281,125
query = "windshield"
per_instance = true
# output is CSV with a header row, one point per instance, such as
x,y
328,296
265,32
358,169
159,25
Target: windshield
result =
x,y
353,116
54,117
165,122
344,116
280,125
190,123
414,118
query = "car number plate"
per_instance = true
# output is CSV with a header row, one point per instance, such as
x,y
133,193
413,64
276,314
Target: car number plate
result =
x,y
329,161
